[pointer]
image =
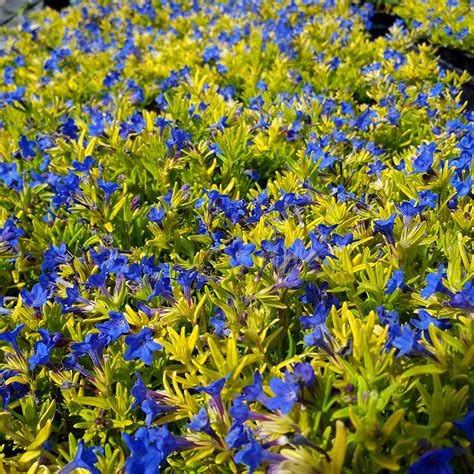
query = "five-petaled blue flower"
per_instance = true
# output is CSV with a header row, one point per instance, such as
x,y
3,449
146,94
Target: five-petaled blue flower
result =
x,y
396,281
141,346
200,423
12,337
114,327
42,349
464,299
156,215
240,253
36,298
424,160
286,395
435,284
251,456
385,227
434,462
27,147
425,320
85,458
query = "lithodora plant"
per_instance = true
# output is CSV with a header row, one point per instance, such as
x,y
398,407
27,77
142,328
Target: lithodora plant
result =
x,y
234,237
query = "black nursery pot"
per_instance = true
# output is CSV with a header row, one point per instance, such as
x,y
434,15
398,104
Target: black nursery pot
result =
x,y
56,4
381,23
459,61
457,58
468,94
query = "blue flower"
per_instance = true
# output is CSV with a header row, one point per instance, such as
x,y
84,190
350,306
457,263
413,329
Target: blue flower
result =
x,y
408,210
156,215
145,457
272,251
186,278
215,388
148,400
221,124
303,374
218,322
36,298
237,436
253,174
11,391
425,320
12,336
152,410
424,160
10,232
396,281
434,284
43,349
286,395
385,227
297,250
97,280
114,327
251,456
314,295
215,148
141,346
111,78
434,462
254,392
377,167
239,410
240,253
467,426
200,423
84,166
149,448
210,54
290,281
319,317
319,249
97,126
108,187
10,176
54,256
343,240
320,337
162,288
463,188
85,458
139,391
27,147
463,299
406,342
324,231
214,391
93,345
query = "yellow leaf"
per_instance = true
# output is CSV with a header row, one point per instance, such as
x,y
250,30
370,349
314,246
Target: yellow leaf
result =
x,y
392,422
41,436
338,451
28,456
385,462
216,353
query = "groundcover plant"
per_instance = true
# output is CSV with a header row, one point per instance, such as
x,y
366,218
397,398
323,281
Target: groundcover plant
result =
x,y
234,237
445,23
